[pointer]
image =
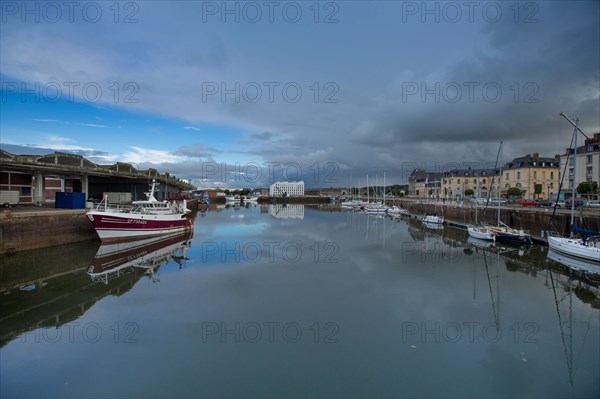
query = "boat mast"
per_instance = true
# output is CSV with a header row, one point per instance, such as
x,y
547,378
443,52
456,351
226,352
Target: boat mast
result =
x,y
574,174
499,181
383,188
577,129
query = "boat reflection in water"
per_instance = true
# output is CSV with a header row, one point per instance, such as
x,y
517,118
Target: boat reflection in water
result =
x,y
586,267
114,260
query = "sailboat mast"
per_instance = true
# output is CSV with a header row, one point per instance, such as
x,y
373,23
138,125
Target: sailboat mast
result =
x,y
574,173
499,181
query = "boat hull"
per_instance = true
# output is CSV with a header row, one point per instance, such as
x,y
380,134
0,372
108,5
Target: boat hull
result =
x,y
116,227
512,238
573,247
433,220
481,233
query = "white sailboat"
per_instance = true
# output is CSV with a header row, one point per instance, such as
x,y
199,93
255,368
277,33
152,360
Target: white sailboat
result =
x,y
480,233
587,247
501,231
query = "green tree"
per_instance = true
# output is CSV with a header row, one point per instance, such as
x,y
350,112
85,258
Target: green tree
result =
x,y
469,192
587,187
538,189
513,191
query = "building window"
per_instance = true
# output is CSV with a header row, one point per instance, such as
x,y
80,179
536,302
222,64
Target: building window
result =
x,y
506,176
483,181
589,159
458,181
552,175
518,175
519,185
25,191
535,174
588,171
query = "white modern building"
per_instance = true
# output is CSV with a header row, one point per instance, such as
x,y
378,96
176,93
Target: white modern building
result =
x,y
287,189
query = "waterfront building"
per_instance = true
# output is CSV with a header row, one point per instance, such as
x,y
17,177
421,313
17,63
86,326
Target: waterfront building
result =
x,y
287,189
536,177
37,178
457,181
424,184
587,163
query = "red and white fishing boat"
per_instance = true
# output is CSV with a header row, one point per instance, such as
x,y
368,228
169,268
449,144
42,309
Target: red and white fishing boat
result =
x,y
142,219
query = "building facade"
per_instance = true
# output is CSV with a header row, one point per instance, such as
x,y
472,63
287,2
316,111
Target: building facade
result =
x,y
287,189
587,163
424,184
536,177
456,182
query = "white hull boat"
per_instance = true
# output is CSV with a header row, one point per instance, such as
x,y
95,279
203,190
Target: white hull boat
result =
x,y
481,233
588,249
143,219
432,219
395,210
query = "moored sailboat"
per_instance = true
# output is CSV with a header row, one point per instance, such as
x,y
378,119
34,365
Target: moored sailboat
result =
x,y
588,245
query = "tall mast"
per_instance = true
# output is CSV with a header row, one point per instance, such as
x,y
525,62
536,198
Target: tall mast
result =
x,y
499,181
383,188
574,174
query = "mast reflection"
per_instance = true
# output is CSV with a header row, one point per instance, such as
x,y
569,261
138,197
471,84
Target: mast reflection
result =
x,y
114,260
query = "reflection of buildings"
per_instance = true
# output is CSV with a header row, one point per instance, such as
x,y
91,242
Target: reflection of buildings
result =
x,y
114,260
287,211
50,288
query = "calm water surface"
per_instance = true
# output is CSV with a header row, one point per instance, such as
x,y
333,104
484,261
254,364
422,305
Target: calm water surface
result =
x,y
292,301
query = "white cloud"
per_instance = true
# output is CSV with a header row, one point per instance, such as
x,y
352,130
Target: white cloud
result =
x,y
197,129
140,155
91,125
48,120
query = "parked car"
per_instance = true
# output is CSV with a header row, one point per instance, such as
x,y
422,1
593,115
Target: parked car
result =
x,y
578,202
593,203
527,202
545,203
494,201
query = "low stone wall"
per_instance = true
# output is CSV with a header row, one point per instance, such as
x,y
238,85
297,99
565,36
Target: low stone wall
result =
x,y
534,220
31,230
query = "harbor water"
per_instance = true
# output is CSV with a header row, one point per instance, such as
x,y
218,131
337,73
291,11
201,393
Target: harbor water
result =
x,y
292,301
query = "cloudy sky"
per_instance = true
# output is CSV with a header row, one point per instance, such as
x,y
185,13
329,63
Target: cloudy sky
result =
x,y
239,93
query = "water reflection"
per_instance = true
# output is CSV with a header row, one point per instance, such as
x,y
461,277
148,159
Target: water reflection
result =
x,y
385,275
591,269
286,211
114,260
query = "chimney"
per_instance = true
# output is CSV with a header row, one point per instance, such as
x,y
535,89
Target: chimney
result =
x,y
536,157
